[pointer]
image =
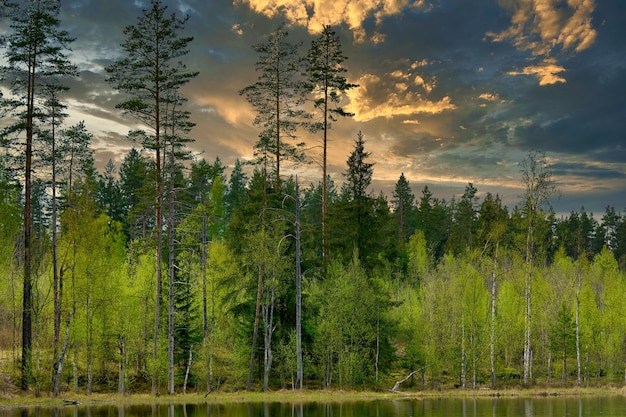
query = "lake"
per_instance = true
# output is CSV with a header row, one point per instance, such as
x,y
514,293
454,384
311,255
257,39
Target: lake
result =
x,y
610,406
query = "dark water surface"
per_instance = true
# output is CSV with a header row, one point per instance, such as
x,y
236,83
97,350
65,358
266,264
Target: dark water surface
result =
x,y
612,406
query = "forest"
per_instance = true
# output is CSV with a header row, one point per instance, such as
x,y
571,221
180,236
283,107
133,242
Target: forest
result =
x,y
169,273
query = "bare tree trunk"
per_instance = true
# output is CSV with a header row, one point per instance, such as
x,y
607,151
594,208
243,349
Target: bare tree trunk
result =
x,y
255,331
75,370
299,372
171,308
463,353
564,357
55,265
188,368
59,368
579,276
397,384
37,353
329,368
159,254
121,388
205,323
325,180
89,315
268,324
536,177
27,331
549,366
377,346
527,297
492,343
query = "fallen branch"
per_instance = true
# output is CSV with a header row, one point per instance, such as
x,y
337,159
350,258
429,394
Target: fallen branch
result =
x,y
397,385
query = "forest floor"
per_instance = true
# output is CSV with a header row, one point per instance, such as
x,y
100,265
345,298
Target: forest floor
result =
x,y
304,396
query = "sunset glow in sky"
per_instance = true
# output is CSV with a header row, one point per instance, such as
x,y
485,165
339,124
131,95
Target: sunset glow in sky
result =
x,y
451,91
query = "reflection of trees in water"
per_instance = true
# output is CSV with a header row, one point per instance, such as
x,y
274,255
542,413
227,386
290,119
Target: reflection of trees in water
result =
x,y
528,408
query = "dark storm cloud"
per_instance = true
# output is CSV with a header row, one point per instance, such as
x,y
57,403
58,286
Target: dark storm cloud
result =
x,y
563,169
451,91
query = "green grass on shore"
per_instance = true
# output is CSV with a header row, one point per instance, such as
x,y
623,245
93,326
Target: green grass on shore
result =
x,y
304,396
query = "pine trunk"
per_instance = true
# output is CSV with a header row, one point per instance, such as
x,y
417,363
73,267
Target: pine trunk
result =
x,y
299,372
255,331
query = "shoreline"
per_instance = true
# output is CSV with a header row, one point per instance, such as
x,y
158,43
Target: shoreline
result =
x,y
289,396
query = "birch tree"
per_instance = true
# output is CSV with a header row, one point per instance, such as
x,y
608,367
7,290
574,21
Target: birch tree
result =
x,y
538,187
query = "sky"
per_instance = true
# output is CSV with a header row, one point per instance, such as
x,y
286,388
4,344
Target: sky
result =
x,y
450,91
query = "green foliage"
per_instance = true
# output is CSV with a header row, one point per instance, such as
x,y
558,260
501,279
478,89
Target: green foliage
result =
x,y
389,287
348,335
563,336
403,199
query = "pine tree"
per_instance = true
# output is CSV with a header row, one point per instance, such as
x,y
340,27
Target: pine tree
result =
x,y
277,97
152,74
327,83
36,58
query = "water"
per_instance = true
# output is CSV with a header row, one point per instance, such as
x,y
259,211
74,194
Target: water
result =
x,y
612,406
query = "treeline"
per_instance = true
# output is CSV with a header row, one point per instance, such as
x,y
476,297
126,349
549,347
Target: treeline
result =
x,y
165,273
409,285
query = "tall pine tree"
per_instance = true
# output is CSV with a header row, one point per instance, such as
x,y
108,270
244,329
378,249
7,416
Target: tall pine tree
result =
x,y
277,97
327,83
36,58
151,74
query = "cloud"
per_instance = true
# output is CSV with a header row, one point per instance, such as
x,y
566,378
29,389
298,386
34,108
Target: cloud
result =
x,y
547,72
489,97
540,26
397,93
545,28
314,14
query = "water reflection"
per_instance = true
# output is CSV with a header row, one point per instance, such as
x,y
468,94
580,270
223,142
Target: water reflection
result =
x,y
432,407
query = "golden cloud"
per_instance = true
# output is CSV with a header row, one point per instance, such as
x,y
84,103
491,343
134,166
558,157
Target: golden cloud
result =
x,y
547,72
385,97
540,26
314,14
490,96
545,26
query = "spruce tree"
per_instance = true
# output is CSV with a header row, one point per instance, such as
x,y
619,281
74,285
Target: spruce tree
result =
x,y
403,208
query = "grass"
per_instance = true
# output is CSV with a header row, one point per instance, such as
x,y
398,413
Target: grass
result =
x,y
29,400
